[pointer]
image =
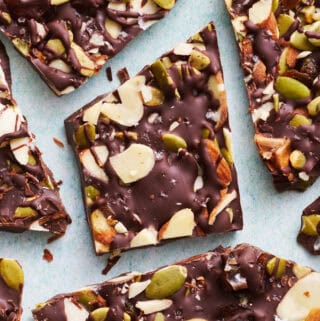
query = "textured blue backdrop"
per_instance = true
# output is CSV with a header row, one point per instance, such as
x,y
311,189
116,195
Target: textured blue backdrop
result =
x,y
271,219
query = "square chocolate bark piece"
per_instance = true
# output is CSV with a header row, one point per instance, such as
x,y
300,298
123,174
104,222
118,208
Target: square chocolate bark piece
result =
x,y
155,155
279,52
68,41
244,283
11,287
29,195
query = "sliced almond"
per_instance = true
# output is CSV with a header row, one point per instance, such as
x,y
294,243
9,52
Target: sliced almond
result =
x,y
20,149
60,65
91,114
224,202
130,110
102,153
216,86
183,49
137,287
90,164
260,11
74,311
277,150
103,232
259,72
181,224
147,236
113,28
134,163
120,228
10,120
301,298
125,278
87,65
301,271
152,306
35,226
263,112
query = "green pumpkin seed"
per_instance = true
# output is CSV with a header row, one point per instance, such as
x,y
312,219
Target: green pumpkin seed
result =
x,y
301,42
12,273
173,142
315,27
157,98
159,317
22,212
300,120
32,161
283,67
314,107
284,23
161,74
165,4
126,317
276,267
199,60
85,134
87,298
166,282
100,314
91,192
297,159
310,224
291,88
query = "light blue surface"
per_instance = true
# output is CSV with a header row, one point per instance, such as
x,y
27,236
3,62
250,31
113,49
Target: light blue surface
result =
x,y
272,220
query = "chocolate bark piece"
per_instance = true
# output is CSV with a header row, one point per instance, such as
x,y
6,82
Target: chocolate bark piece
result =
x,y
155,155
29,195
309,235
244,283
11,287
280,56
68,41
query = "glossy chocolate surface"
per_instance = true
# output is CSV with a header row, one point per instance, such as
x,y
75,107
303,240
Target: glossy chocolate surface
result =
x,y
224,284
193,107
281,60
69,41
29,195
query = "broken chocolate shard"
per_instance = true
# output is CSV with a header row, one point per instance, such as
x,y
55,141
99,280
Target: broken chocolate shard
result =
x,y
279,53
241,283
69,41
29,194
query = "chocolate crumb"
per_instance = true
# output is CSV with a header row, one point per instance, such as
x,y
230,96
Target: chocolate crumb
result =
x,y
123,75
47,256
109,73
58,142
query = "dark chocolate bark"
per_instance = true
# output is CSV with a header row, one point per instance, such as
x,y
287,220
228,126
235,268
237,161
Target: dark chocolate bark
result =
x,y
279,51
155,155
68,41
240,284
29,195
309,235
11,286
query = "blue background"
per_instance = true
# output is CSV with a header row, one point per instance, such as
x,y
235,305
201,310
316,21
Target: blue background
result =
x,y
272,220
